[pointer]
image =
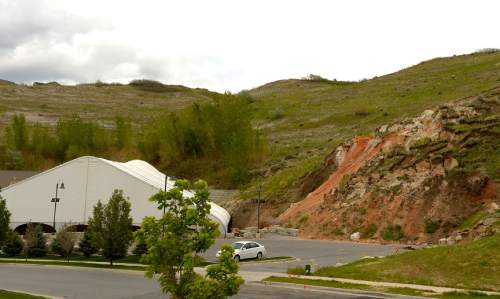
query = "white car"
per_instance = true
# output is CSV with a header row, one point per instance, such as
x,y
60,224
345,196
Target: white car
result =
x,y
247,250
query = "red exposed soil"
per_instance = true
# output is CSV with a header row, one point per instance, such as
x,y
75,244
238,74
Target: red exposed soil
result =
x,y
360,152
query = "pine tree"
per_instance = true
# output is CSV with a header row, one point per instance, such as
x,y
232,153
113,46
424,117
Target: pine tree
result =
x,y
36,244
13,244
86,246
4,221
110,227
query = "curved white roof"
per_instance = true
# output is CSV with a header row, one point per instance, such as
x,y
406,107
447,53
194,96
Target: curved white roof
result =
x,y
89,179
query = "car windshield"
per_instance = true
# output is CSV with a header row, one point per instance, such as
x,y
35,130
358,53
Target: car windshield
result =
x,y
237,245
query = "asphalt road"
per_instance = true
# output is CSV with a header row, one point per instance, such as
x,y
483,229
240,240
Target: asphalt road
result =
x,y
84,283
321,252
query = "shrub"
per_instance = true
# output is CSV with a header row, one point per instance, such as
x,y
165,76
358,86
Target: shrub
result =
x,y
276,114
431,226
393,233
13,244
344,182
369,231
64,243
302,219
36,244
155,86
338,232
86,246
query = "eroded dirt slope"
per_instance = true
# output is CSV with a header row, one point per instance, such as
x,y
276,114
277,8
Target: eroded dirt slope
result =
x,y
415,180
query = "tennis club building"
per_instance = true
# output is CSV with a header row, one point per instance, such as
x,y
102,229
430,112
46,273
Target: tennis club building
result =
x,y
79,184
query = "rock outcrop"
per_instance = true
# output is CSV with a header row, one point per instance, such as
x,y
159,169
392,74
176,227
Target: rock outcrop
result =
x,y
416,180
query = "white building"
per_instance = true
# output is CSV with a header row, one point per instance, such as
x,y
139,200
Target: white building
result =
x,y
87,180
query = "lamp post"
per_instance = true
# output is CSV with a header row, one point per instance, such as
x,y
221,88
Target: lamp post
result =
x,y
258,211
55,200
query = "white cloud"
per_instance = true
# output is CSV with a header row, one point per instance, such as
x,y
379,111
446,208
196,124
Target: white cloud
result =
x,y
231,45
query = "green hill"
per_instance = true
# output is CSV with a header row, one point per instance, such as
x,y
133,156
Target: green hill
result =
x,y
302,120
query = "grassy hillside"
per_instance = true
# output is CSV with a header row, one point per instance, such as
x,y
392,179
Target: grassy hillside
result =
x,y
472,265
304,120
46,102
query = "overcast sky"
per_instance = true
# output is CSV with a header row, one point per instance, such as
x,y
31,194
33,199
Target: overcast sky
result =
x,y
233,45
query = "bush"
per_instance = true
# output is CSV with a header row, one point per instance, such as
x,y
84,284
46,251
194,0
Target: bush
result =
x,y
86,246
36,244
13,244
393,233
431,226
369,231
155,86
276,114
63,243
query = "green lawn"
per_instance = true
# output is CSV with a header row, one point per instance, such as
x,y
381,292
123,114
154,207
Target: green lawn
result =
x,y
471,265
14,295
75,264
81,261
354,286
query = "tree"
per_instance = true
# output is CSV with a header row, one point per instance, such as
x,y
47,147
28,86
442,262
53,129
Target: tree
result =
x,y
174,241
64,243
13,245
110,227
4,221
36,244
16,134
221,279
86,246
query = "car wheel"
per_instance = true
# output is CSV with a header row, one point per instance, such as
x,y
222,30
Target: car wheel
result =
x,y
237,258
259,255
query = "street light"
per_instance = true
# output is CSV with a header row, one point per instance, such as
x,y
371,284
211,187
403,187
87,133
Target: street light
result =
x,y
258,210
55,200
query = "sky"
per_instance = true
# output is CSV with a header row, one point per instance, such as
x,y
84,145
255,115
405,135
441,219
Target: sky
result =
x,y
230,45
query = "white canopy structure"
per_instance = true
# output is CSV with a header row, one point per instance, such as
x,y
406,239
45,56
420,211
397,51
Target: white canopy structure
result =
x,y
87,180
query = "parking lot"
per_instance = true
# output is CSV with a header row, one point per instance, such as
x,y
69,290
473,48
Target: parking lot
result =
x,y
320,252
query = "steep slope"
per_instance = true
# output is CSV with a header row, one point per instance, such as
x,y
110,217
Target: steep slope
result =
x,y
418,179
304,120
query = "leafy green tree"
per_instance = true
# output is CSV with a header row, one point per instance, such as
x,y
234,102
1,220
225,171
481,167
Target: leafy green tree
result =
x,y
36,244
13,245
174,241
86,246
63,243
221,279
16,133
215,140
110,227
4,221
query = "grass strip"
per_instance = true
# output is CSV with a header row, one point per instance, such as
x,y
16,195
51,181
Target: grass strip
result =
x,y
15,295
400,291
